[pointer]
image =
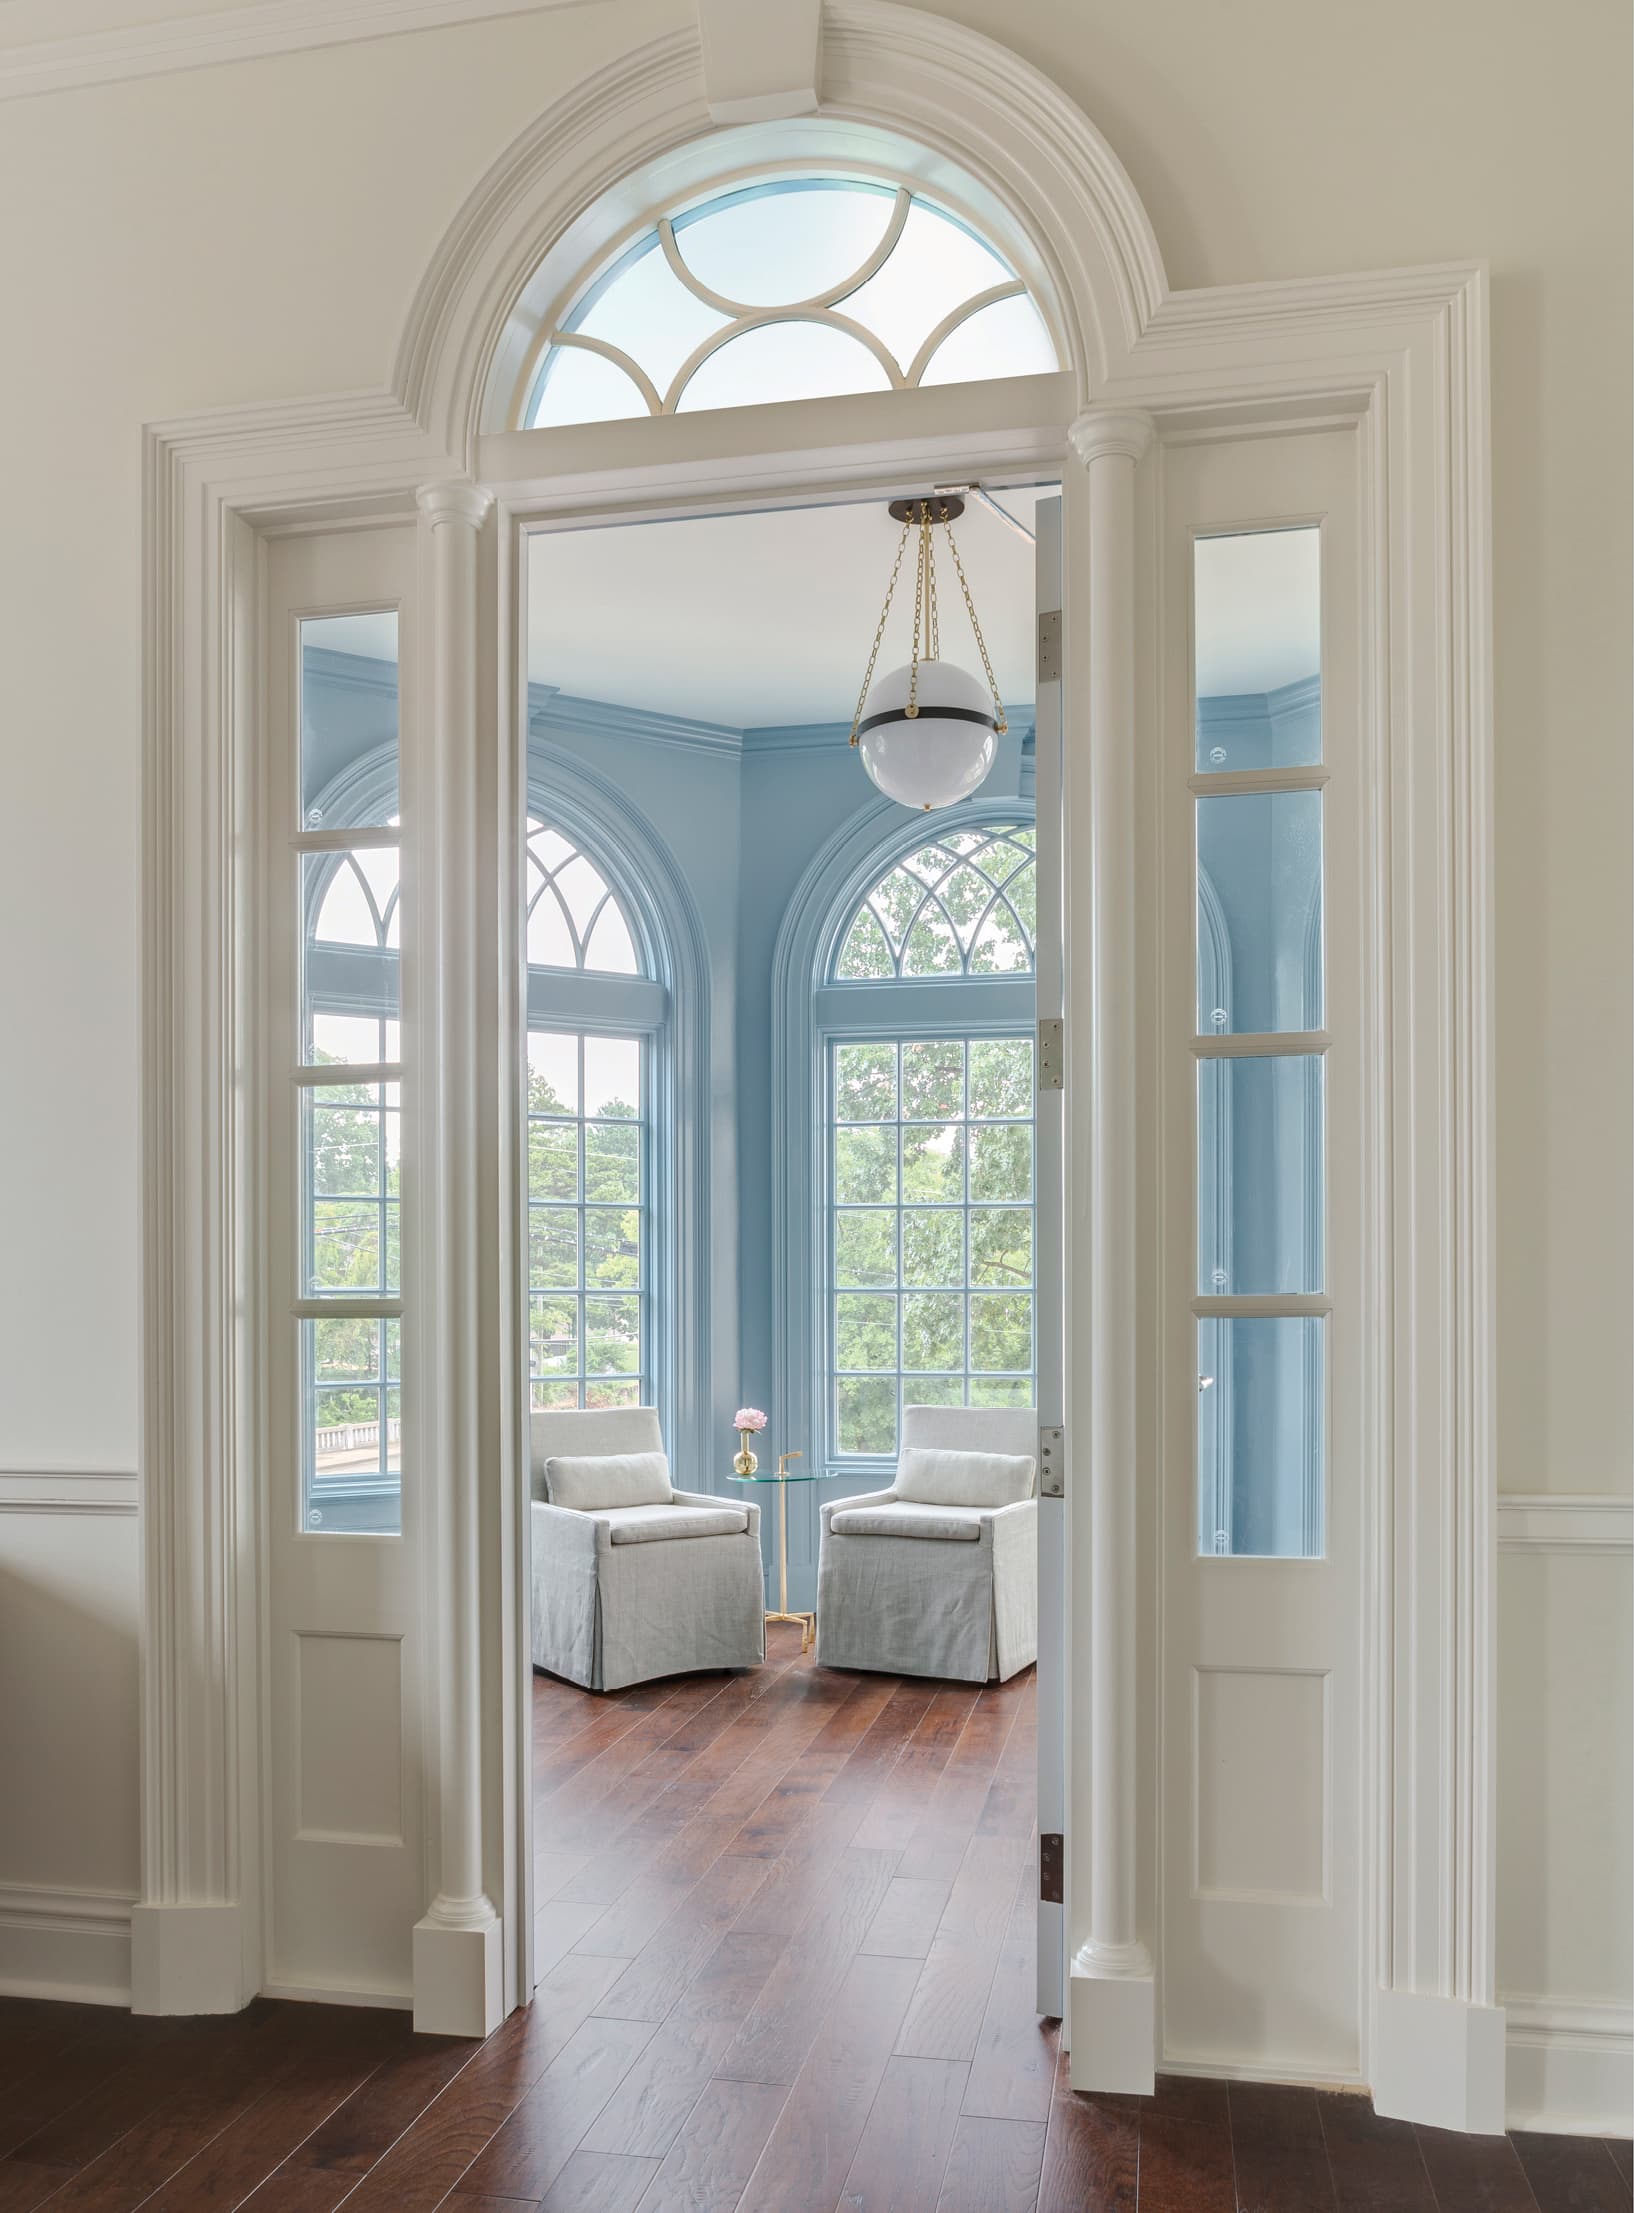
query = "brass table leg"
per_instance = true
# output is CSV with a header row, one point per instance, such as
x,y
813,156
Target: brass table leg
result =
x,y
808,1622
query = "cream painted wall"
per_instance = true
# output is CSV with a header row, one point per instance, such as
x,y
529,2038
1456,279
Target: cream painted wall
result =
x,y
256,232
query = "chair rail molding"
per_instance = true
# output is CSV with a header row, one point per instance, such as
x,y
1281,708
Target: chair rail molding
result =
x,y
1402,355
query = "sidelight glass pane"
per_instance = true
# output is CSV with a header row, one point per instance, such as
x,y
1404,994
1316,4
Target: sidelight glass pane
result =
x,y
351,1432
1259,1175
1257,645
1259,912
1260,1438
351,1159
348,749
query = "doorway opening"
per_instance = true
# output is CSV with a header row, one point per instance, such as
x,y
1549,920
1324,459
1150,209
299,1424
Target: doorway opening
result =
x,y
782,1153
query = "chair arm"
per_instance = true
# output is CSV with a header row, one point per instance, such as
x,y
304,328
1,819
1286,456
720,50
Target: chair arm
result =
x,y
575,1534
1012,1530
864,1498
711,1498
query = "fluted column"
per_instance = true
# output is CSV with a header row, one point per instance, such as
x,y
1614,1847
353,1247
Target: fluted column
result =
x,y
1112,1989
457,1945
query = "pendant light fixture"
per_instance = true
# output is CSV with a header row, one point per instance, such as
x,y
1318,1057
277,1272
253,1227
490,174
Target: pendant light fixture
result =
x,y
928,733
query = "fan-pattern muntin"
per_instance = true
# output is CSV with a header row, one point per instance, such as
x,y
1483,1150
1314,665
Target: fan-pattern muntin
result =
x,y
948,909
741,317
333,926
600,921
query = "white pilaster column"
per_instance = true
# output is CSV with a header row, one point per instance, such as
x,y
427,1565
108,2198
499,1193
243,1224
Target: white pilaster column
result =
x,y
1112,1991
453,925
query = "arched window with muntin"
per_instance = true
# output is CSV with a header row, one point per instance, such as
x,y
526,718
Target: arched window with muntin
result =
x,y
927,1023
785,287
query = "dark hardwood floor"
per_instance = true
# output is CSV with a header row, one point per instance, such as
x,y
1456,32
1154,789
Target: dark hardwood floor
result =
x,y
785,1933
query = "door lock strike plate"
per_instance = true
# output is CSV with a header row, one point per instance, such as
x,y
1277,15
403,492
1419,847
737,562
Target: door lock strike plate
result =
x,y
1052,1054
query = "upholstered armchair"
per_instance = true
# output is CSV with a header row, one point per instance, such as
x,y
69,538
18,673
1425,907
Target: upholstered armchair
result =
x,y
939,1574
633,1579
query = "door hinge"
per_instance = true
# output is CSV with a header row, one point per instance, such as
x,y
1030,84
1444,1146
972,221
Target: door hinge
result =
x,y
1052,1054
1049,647
1051,1869
1052,1463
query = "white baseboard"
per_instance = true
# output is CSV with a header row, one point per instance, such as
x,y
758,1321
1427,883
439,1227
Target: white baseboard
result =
x,y
188,1958
335,1994
72,1944
1439,2061
1571,2066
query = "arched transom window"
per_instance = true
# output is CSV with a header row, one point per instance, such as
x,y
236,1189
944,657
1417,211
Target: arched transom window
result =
x,y
789,288
966,905
575,919
928,1029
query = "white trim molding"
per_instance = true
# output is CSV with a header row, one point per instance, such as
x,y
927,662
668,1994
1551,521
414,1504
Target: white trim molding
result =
x,y
66,1944
1564,1521
1402,356
68,1491
1571,2065
109,53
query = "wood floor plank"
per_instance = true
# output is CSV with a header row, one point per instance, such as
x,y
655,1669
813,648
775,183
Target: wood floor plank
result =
x,y
899,1805
907,1919
1280,2152
435,2151
906,2140
645,2113
364,2128
779,2030
536,2141
945,2018
708,2166
1376,2164
810,2149
598,2182
1185,2167
1622,2152
733,1976
25,2185
1475,2174
1012,2076
83,2130
993,2167
1571,2174
654,1980
1091,2156
948,1819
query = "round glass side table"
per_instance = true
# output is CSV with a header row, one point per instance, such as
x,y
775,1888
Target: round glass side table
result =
x,y
782,1478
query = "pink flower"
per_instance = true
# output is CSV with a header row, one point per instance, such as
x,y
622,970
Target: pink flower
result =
x,y
748,1417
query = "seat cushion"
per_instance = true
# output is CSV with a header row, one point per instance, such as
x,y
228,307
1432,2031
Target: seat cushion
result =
x,y
929,1475
589,1481
950,1524
643,1524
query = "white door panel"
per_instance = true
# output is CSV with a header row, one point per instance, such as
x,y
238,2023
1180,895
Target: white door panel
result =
x,y
344,1866
1262,1857
1052,1684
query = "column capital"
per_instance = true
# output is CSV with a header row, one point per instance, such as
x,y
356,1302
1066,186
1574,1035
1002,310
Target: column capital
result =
x,y
456,500
1111,430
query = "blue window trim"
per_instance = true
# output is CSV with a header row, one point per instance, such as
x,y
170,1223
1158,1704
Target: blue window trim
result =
x,y
808,1013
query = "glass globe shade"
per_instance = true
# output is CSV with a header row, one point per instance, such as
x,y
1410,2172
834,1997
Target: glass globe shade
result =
x,y
939,756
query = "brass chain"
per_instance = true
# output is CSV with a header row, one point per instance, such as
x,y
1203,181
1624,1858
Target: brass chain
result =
x,y
912,709
1001,723
884,617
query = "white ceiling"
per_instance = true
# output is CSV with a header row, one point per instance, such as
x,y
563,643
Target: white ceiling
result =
x,y
750,620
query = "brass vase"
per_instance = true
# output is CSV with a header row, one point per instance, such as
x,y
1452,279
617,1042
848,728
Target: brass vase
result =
x,y
745,1463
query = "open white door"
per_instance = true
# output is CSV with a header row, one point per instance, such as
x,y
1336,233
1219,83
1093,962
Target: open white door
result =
x,y
1052,1535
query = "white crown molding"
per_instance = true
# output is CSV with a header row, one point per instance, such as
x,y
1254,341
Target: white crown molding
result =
x,y
1543,1521
68,1490
113,53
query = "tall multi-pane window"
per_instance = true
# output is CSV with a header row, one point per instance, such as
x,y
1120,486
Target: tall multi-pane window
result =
x,y
349,1078
592,1034
1260,1044
929,1020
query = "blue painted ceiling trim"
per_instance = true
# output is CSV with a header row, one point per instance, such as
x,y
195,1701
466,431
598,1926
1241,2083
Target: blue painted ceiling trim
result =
x,y
1215,709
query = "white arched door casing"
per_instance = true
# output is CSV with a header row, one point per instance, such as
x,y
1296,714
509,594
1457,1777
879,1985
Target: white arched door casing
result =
x,y
1401,356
